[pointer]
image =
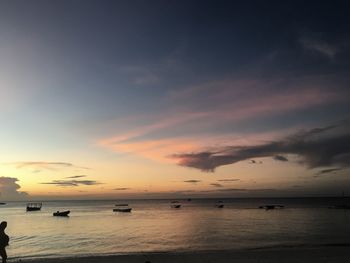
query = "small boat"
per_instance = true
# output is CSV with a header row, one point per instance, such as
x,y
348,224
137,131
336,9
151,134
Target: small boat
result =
x,y
175,204
2,203
270,207
64,213
34,206
124,208
219,204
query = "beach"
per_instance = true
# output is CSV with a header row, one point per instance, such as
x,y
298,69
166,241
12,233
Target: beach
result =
x,y
324,254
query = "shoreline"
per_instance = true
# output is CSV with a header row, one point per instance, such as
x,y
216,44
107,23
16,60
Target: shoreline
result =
x,y
323,253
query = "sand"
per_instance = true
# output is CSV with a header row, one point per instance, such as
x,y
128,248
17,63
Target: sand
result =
x,y
336,254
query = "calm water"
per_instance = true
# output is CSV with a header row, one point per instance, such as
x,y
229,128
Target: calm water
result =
x,y
93,228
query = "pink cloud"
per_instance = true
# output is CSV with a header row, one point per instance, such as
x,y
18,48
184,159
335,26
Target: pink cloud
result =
x,y
203,108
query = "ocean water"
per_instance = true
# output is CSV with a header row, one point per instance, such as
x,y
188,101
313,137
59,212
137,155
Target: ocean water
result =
x,y
94,229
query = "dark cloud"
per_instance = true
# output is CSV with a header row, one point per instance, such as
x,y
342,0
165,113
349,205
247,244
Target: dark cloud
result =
x,y
192,181
9,189
245,190
216,184
319,147
183,191
239,190
255,162
324,171
228,180
171,193
327,171
72,182
75,176
121,189
280,158
46,165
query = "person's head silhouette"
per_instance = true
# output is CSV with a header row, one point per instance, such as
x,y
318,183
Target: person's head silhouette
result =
x,y
3,225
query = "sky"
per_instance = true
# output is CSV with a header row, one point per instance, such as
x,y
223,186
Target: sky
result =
x,y
174,99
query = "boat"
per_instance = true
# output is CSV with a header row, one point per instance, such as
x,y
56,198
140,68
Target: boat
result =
x,y
270,207
64,213
219,204
123,208
34,206
175,204
2,203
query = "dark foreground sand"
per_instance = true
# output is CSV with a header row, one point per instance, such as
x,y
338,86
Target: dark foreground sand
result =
x,y
281,255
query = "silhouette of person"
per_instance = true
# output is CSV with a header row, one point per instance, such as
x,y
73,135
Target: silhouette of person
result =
x,y
4,241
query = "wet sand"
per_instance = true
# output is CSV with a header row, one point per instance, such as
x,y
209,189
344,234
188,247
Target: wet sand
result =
x,y
280,255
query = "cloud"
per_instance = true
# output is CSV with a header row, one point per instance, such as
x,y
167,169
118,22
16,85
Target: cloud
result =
x,y
228,180
255,162
239,190
319,147
192,181
246,190
9,189
280,158
320,47
72,182
76,176
45,165
219,111
327,171
121,189
216,184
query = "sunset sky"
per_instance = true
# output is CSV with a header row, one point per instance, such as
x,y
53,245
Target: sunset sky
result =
x,y
153,99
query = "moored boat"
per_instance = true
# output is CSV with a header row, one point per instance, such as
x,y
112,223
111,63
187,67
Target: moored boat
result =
x,y
270,207
34,206
175,204
63,213
124,208
219,204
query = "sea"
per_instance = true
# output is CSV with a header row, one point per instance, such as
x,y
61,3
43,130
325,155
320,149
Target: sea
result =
x,y
153,226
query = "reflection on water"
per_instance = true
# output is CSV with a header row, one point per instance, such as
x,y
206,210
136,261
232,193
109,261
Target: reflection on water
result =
x,y
154,226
